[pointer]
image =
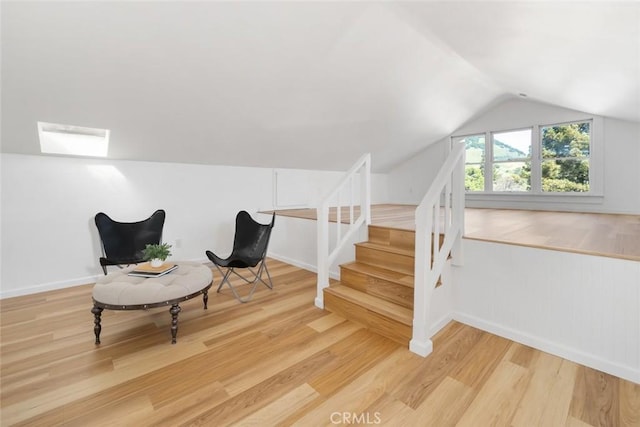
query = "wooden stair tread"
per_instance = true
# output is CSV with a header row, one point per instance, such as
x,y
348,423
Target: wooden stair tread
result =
x,y
381,273
386,248
393,311
390,227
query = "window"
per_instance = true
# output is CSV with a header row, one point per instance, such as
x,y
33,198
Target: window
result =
x,y
73,140
474,163
511,152
565,157
544,159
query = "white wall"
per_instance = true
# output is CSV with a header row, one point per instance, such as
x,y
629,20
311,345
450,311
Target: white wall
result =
x,y
300,188
579,307
49,239
301,250
622,167
621,174
409,181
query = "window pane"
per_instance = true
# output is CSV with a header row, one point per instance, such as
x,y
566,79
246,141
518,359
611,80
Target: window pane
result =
x,y
571,140
565,176
474,178
512,176
474,149
512,145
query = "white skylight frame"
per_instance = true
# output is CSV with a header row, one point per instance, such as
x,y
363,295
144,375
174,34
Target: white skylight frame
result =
x,y
73,140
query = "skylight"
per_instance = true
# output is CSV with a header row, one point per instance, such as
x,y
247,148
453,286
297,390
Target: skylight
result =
x,y
73,140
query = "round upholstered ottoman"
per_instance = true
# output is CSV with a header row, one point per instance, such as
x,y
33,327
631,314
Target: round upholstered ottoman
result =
x,y
121,291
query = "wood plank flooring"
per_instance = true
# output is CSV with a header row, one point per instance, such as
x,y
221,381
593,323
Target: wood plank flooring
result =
x,y
278,360
609,235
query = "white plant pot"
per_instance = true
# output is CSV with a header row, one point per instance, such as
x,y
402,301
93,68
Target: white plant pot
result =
x,y
156,262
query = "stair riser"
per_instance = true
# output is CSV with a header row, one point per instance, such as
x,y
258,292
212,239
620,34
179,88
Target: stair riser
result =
x,y
404,239
396,262
384,326
390,291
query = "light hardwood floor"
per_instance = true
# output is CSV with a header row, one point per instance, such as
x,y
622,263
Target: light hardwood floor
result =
x,y
610,235
278,360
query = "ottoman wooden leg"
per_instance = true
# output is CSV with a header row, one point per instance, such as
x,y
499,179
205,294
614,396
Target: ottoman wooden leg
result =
x,y
174,310
205,298
97,311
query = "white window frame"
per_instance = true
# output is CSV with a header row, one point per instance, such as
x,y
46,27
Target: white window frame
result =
x,y
596,166
541,160
488,174
458,138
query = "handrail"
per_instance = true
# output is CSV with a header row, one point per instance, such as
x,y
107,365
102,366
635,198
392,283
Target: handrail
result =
x,y
361,169
441,212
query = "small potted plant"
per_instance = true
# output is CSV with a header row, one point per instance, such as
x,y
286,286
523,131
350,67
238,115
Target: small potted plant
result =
x,y
157,254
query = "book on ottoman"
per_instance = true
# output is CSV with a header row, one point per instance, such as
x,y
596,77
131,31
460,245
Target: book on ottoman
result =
x,y
145,270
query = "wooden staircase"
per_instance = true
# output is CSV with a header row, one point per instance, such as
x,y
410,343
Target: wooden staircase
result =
x,y
376,290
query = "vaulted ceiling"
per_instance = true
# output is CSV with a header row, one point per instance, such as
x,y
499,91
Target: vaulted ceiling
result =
x,y
303,84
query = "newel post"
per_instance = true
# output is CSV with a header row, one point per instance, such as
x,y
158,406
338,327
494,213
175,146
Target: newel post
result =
x,y
322,213
421,343
366,190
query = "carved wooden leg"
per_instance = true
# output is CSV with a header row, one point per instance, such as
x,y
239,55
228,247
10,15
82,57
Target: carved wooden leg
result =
x,y
205,298
97,311
174,310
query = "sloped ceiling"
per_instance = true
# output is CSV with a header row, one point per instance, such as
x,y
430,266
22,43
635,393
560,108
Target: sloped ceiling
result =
x,y
303,84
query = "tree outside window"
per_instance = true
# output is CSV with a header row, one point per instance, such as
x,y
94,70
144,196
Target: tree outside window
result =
x,y
565,157
474,162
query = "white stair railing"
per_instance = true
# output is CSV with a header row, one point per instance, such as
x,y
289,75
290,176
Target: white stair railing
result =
x,y
441,212
344,194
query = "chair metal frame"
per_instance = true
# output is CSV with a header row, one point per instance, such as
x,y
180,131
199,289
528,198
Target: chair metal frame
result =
x,y
236,261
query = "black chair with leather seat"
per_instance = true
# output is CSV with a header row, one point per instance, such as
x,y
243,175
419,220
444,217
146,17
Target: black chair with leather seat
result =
x,y
123,243
249,251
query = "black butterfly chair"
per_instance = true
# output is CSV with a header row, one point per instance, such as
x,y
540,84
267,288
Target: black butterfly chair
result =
x,y
249,251
123,242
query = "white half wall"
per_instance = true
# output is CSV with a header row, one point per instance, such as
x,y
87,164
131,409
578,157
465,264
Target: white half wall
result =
x,y
442,302
48,236
579,307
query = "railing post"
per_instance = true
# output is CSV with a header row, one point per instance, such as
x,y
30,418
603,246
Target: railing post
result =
x,y
366,204
420,342
458,209
322,213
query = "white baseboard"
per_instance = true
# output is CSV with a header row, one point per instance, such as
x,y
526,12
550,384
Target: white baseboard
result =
x,y
626,372
293,262
437,326
425,348
332,274
51,286
421,348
